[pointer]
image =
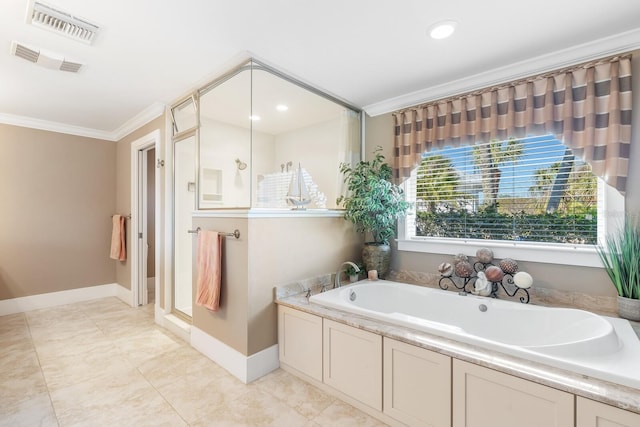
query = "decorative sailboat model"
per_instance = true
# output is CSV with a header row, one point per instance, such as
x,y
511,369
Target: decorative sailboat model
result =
x,y
298,194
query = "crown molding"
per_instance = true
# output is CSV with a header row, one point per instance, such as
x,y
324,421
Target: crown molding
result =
x,y
136,122
30,122
612,45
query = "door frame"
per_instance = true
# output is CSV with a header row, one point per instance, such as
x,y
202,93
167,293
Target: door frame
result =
x,y
151,140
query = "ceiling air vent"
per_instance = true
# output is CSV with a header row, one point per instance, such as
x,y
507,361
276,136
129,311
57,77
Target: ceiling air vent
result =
x,y
45,59
60,22
24,52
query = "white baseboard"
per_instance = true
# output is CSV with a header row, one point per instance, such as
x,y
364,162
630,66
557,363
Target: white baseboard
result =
x,y
124,294
261,363
177,326
158,315
53,299
245,368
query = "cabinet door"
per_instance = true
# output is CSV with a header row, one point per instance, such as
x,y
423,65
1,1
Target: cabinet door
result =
x,y
486,398
300,341
417,385
353,362
596,414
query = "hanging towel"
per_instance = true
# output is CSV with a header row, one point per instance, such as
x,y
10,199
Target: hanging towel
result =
x,y
118,247
209,269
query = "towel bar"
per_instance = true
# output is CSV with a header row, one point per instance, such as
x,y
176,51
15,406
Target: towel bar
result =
x,y
236,233
126,216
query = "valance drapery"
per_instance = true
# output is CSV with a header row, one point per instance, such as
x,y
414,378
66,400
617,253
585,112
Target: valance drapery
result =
x,y
588,107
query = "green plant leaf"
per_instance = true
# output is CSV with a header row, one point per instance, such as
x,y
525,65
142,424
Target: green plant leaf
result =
x,y
620,255
373,203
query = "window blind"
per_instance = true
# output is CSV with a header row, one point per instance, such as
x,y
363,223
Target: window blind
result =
x,y
532,189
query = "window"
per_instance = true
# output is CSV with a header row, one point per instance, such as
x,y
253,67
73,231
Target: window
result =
x,y
519,193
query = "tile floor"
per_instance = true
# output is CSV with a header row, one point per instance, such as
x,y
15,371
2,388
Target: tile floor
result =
x,y
103,363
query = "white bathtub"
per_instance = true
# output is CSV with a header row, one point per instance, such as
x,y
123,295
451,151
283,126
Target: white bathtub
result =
x,y
603,347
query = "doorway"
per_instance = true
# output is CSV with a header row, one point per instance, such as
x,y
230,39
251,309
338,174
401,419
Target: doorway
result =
x,y
145,206
147,221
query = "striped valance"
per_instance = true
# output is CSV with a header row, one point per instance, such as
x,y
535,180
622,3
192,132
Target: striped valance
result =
x,y
588,107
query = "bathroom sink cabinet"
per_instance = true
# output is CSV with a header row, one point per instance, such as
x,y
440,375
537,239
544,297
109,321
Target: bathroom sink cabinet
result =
x,y
595,414
406,385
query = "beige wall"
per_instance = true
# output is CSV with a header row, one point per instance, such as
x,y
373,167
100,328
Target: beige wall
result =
x,y
269,253
123,194
58,194
230,323
379,131
284,250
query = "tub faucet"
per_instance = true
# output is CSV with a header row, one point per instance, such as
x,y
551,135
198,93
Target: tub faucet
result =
x,y
336,283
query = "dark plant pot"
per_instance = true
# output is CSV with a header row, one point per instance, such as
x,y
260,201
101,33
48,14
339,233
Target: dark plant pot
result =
x,y
629,308
376,256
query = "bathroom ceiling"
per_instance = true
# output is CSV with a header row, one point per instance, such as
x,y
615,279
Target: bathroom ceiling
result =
x,y
373,54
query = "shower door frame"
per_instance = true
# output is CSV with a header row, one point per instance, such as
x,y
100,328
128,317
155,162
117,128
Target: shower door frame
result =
x,y
192,133
177,136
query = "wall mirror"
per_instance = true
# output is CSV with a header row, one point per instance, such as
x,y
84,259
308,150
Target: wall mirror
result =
x,y
268,141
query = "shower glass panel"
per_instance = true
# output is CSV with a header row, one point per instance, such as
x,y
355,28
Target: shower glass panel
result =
x,y
225,142
269,141
298,144
184,204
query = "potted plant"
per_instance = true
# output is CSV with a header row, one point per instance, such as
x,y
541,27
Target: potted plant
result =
x,y
373,204
620,255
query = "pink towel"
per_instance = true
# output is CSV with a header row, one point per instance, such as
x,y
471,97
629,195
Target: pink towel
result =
x,y
118,247
209,268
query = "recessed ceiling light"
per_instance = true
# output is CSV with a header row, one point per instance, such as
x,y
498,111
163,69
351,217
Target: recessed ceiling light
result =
x,y
282,107
442,30
254,118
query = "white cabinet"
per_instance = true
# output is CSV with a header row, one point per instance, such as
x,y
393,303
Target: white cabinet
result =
x,y
353,362
417,385
300,341
596,414
486,398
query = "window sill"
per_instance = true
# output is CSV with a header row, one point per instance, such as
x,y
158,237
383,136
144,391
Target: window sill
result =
x,y
520,251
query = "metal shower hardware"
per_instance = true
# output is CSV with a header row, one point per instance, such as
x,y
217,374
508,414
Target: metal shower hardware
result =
x,y
241,165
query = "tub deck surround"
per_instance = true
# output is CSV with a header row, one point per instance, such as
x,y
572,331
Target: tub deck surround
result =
x,y
562,378
560,332
589,344
314,284
603,305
